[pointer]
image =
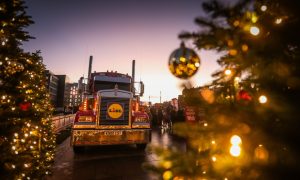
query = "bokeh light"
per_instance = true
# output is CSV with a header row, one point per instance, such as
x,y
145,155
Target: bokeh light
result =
x,y
254,30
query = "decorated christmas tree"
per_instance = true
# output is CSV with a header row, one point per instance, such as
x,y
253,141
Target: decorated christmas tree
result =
x,y
26,140
250,129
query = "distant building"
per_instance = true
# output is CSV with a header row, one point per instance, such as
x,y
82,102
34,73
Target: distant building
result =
x,y
64,96
52,86
73,97
63,91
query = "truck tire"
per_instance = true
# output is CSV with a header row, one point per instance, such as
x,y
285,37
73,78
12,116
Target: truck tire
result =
x,y
141,146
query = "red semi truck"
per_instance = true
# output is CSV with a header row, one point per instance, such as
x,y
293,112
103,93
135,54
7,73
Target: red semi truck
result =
x,y
110,114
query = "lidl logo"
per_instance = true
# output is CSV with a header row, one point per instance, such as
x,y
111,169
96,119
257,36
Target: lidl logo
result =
x,y
115,110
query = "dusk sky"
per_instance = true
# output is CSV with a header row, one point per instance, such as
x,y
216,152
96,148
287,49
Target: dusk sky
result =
x,y
115,32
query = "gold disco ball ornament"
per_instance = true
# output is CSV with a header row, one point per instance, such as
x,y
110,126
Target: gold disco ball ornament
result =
x,y
184,62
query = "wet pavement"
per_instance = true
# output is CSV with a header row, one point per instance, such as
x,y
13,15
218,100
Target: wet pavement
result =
x,y
118,162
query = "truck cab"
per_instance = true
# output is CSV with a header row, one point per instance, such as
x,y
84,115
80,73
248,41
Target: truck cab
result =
x,y
110,115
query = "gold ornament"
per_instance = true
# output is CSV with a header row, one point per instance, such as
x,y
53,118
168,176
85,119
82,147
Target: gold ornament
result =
x,y
184,62
261,153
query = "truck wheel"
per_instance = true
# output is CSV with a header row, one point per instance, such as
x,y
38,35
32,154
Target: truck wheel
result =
x,y
141,146
77,149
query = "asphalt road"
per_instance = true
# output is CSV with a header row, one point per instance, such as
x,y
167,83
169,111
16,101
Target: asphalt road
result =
x,y
118,162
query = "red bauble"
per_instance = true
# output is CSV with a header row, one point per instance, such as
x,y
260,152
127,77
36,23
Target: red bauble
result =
x,y
244,95
24,106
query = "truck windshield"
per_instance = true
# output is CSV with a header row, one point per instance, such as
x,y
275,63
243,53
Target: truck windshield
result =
x,y
102,85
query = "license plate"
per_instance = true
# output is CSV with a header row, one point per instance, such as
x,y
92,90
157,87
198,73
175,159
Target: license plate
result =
x,y
113,133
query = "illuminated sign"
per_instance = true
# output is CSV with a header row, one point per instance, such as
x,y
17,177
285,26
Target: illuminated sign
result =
x,y
115,110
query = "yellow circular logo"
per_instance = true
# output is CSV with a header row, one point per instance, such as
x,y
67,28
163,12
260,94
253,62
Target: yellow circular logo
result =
x,y
115,111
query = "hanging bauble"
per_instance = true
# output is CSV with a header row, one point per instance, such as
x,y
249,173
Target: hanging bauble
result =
x,y
24,106
184,62
261,153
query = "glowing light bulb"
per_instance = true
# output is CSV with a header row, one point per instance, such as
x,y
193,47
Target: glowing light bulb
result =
x,y
254,18
235,150
262,99
230,43
235,140
233,52
228,72
237,78
213,142
278,21
167,175
167,164
236,23
254,30
214,159
263,8
245,47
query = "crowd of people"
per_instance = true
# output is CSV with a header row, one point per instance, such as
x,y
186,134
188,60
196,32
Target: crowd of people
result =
x,y
165,115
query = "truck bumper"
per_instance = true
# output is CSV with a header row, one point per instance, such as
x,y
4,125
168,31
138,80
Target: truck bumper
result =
x,y
80,137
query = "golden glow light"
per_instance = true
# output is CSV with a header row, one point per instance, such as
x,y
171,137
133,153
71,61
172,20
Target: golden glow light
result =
x,y
261,153
235,140
167,175
236,23
85,105
262,99
167,164
278,21
214,159
235,150
245,47
228,72
263,8
233,52
254,30
230,43
254,18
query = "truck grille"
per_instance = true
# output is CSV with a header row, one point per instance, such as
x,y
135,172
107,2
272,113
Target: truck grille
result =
x,y
106,119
